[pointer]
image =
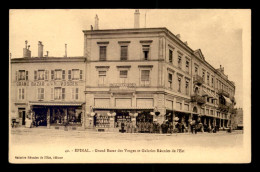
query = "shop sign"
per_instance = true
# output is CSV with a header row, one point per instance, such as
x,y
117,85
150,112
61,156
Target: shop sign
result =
x,y
22,83
123,118
54,83
123,86
102,121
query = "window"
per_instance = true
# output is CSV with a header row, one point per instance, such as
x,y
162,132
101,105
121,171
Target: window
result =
x,y
187,88
170,56
102,53
170,80
207,111
145,77
58,74
63,74
124,51
123,76
59,93
22,74
196,70
40,93
212,81
75,74
146,49
179,61
187,66
75,93
102,77
21,93
203,76
212,101
41,74
211,112
179,84
208,79
207,99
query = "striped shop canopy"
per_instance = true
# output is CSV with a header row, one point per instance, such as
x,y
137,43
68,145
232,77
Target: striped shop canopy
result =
x,y
56,103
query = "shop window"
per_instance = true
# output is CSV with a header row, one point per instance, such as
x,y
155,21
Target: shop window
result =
x,y
102,77
124,52
170,56
145,77
75,74
102,53
75,93
40,93
170,80
21,93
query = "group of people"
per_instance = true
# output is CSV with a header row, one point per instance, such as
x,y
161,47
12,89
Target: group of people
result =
x,y
140,127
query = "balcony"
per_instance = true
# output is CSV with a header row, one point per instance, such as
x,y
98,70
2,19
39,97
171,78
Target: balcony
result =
x,y
198,80
223,108
223,92
197,98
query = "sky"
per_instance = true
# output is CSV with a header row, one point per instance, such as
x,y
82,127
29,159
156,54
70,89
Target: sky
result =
x,y
219,33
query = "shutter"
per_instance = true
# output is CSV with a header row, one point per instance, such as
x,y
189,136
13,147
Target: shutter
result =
x,y
77,93
35,75
16,75
52,74
63,93
63,74
72,93
69,75
52,96
81,75
26,75
46,74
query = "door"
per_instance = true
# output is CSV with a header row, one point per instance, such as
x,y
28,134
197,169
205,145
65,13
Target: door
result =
x,y
23,117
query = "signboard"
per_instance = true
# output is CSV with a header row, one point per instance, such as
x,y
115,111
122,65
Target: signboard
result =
x,y
123,118
102,121
49,83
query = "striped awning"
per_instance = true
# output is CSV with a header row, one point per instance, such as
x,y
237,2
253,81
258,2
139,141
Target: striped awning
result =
x,y
56,103
227,100
130,108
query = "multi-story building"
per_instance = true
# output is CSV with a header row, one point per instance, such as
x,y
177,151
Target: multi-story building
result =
x,y
137,75
48,89
142,74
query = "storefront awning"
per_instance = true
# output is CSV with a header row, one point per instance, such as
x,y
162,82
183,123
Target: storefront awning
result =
x,y
227,100
130,108
56,103
184,111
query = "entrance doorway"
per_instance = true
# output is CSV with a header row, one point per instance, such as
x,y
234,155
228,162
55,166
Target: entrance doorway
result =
x,y
21,112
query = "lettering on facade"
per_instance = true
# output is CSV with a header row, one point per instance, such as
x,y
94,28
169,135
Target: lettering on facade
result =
x,y
54,83
22,83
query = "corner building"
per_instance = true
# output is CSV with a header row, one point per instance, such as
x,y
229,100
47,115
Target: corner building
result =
x,y
50,90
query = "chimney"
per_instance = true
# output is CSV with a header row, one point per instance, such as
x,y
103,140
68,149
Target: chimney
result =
x,y
47,54
40,49
136,20
96,22
186,42
178,36
65,50
26,51
91,27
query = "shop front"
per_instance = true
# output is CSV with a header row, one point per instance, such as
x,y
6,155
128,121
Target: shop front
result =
x,y
57,115
118,119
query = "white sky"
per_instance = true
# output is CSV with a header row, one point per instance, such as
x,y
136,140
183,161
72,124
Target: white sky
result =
x,y
218,33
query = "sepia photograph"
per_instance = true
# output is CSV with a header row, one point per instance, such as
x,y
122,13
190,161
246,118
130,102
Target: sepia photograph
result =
x,y
129,86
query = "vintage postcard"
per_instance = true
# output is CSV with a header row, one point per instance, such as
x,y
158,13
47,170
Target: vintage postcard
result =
x,y
129,86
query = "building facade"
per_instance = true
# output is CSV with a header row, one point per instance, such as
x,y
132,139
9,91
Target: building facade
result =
x,y
125,75
49,90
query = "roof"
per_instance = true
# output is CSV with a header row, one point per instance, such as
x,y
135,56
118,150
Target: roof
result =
x,y
48,59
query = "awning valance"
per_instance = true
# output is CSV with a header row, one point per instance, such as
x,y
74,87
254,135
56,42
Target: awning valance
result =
x,y
130,108
56,103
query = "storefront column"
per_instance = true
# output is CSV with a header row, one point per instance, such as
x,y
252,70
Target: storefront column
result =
x,y
223,123
83,117
219,123
66,114
48,118
209,122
